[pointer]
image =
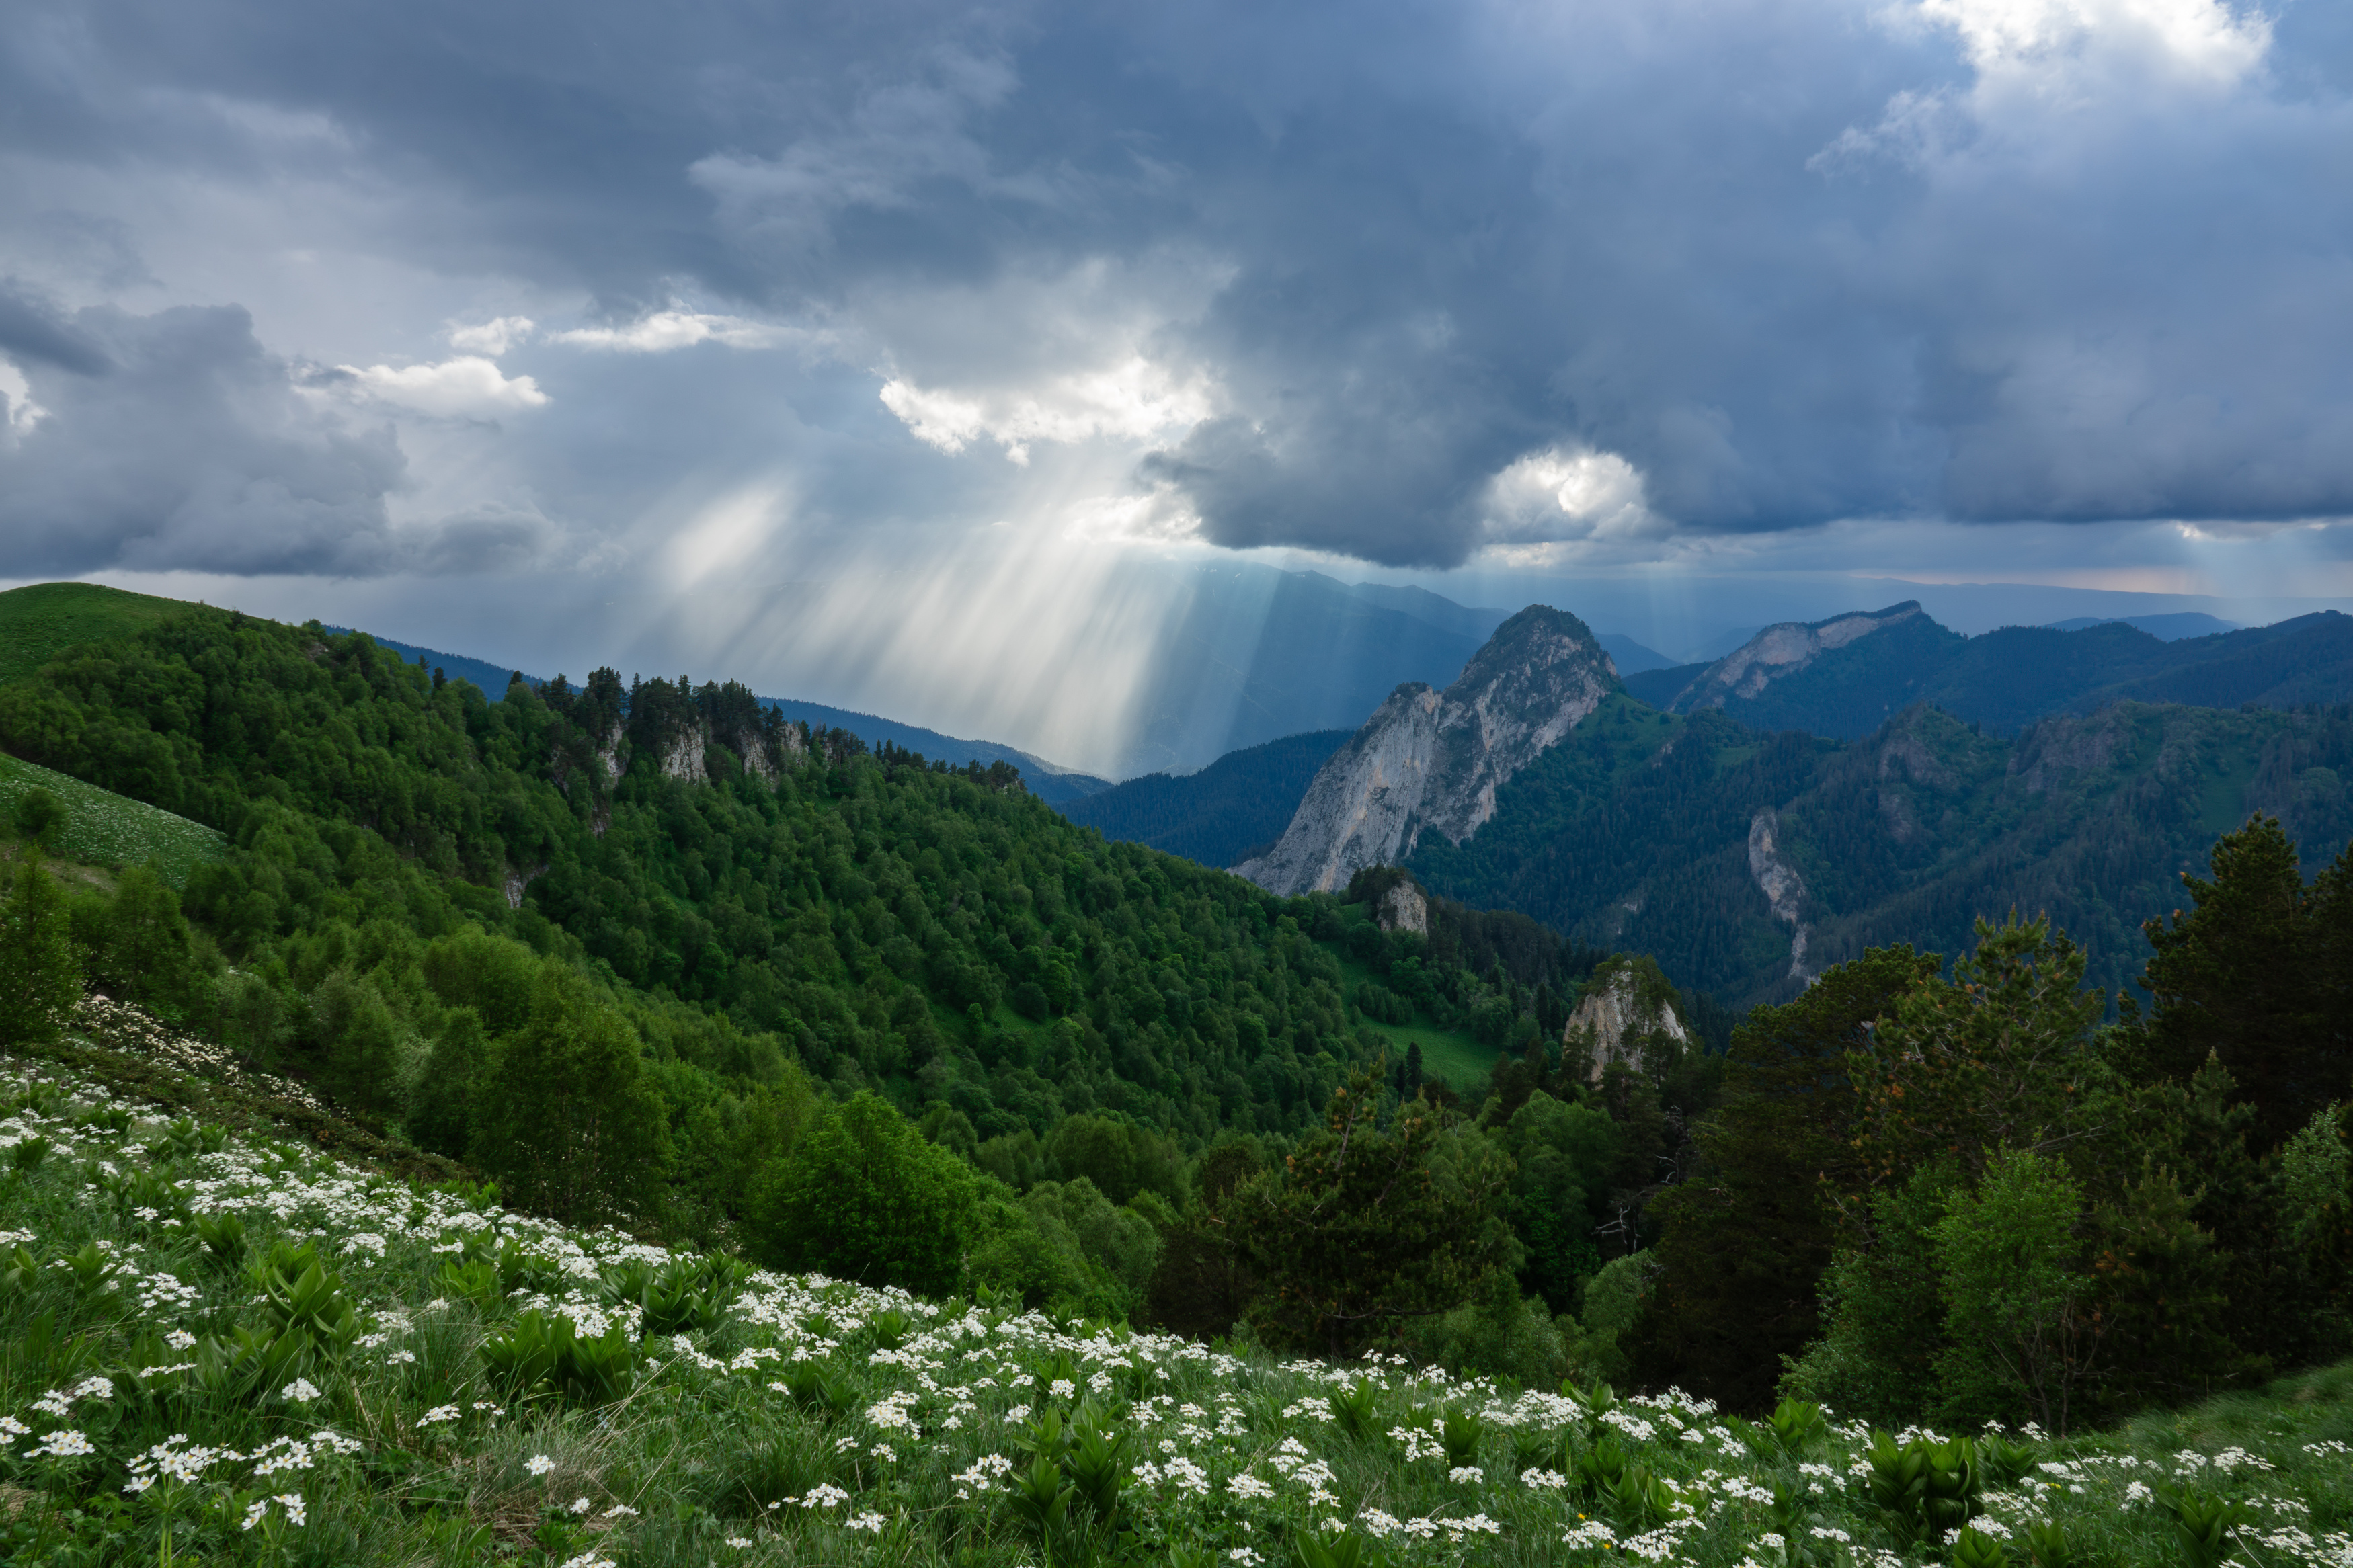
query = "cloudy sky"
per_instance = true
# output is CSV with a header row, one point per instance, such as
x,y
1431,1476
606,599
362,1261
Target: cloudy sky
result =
x,y
948,335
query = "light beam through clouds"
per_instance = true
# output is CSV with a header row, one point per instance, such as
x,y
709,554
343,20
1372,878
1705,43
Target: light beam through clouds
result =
x,y
1010,322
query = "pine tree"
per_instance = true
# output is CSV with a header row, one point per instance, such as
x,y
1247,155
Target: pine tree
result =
x,y
1744,1242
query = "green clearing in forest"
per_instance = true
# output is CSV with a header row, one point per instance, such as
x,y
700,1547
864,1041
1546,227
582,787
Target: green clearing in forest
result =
x,y
107,830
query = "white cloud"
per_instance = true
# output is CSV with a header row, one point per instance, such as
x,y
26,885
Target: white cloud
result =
x,y
492,338
1569,493
666,330
2034,57
1134,399
2204,41
467,385
23,412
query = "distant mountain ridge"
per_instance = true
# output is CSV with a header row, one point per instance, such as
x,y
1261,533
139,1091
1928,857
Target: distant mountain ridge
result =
x,y
1235,807
1845,676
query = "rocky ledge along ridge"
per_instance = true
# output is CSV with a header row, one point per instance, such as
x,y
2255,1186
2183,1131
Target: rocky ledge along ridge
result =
x,y
1780,651
1432,761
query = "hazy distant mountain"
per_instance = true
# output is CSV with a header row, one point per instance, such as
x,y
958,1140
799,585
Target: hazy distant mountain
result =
x,y
2165,628
1633,657
1846,676
1260,654
1047,780
1237,806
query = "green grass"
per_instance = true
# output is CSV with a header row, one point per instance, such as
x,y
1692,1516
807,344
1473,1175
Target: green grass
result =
x,y
1445,1054
122,1324
103,828
38,622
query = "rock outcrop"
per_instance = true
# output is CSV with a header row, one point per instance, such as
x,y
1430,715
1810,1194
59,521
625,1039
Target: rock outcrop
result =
x,y
1784,890
1430,760
1626,1009
1404,907
1780,651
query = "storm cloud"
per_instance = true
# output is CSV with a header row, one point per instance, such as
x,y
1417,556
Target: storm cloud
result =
x,y
443,288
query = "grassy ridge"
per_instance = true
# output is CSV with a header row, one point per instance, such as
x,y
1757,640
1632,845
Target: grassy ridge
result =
x,y
37,623
177,1393
108,829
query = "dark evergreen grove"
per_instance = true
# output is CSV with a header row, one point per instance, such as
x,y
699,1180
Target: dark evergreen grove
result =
x,y
642,952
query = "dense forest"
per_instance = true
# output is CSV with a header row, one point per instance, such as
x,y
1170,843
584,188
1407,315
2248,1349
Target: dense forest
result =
x,y
1639,831
647,954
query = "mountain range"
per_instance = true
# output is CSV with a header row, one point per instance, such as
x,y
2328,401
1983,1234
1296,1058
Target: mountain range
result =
x,y
1745,851
1845,676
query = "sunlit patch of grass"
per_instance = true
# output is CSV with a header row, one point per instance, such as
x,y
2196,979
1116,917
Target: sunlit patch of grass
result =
x,y
108,829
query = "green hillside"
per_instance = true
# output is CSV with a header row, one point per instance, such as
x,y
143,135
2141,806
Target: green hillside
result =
x,y
103,828
38,622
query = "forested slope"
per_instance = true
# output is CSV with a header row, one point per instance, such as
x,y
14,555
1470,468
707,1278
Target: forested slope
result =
x,y
1643,831
772,911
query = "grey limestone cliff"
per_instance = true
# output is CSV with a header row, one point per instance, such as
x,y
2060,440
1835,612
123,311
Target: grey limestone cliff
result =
x,y
1620,1018
1780,651
1432,761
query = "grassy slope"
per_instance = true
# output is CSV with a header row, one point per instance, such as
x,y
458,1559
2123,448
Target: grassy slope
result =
x,y
38,622
691,1465
1445,1053
108,829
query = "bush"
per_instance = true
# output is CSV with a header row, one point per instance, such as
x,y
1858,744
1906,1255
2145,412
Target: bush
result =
x,y
865,1197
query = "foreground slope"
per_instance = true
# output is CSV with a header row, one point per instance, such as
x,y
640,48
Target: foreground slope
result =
x,y
241,1353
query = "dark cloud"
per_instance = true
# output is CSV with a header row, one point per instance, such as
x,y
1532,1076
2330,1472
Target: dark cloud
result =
x,y
174,441
1790,260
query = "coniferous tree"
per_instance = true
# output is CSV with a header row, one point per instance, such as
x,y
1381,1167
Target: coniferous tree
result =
x,y
1744,1242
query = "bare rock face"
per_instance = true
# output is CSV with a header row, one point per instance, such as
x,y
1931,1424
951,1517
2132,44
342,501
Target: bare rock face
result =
x,y
1782,650
1405,908
1784,890
1432,760
1617,1017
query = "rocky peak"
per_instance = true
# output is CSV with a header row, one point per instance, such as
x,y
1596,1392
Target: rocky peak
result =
x,y
1432,760
1626,1009
1782,650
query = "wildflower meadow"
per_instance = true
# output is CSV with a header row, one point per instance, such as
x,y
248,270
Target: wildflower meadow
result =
x,y
225,1348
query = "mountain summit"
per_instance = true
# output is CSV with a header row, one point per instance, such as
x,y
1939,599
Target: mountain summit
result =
x,y
1433,760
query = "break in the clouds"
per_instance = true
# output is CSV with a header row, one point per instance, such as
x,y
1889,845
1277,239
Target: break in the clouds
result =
x,y
440,287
